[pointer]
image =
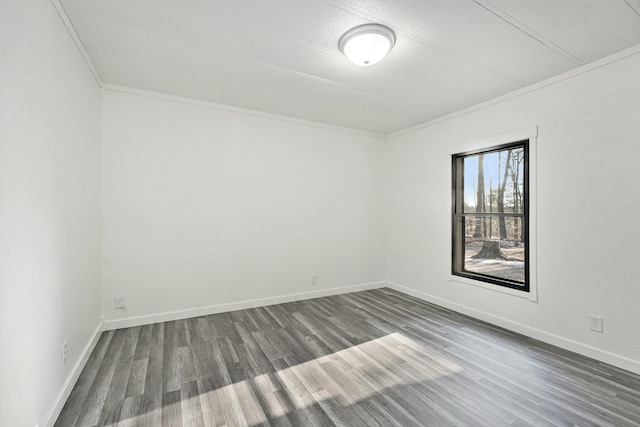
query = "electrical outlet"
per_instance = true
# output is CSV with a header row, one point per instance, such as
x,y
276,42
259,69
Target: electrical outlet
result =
x,y
119,302
595,323
65,351
314,280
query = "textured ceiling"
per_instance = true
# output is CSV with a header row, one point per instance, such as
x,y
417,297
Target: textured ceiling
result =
x,y
281,56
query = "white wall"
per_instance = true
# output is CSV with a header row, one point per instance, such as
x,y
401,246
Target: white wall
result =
x,y
588,235
204,206
49,209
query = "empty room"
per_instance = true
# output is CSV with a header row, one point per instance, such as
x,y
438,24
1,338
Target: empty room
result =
x,y
319,213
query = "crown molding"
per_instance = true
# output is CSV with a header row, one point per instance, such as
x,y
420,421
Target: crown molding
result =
x,y
76,39
603,62
224,107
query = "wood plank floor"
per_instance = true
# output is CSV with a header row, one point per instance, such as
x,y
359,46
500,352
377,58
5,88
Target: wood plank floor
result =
x,y
373,358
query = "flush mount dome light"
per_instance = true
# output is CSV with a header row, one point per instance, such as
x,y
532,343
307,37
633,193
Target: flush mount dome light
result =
x,y
367,44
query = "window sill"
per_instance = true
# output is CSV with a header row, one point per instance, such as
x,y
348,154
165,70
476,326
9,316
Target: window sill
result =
x,y
531,296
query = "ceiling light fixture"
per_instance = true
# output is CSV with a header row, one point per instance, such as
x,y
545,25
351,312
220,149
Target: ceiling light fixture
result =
x,y
367,44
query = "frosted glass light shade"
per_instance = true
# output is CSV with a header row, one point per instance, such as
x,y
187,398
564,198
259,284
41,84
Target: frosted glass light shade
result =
x,y
367,44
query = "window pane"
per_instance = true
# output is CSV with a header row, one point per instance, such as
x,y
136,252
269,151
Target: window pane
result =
x,y
494,181
494,246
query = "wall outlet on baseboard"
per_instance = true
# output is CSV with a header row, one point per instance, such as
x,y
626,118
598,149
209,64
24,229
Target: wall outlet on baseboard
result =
x,y
314,279
595,323
118,302
65,352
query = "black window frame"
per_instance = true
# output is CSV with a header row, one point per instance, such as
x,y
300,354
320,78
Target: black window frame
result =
x,y
458,214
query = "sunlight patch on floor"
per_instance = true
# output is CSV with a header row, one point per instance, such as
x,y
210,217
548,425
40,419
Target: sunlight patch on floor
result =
x,y
346,376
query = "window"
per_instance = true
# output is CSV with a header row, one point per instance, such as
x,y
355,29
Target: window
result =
x,y
491,215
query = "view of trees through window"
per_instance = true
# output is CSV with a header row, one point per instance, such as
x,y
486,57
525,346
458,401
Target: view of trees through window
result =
x,y
491,223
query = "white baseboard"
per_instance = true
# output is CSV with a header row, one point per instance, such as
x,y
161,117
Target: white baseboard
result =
x,y
65,391
233,306
547,337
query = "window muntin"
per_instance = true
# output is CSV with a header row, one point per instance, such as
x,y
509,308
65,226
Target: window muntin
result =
x,y
490,215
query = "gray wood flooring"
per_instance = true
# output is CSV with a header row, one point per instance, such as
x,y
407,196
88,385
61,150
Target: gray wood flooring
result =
x,y
374,358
